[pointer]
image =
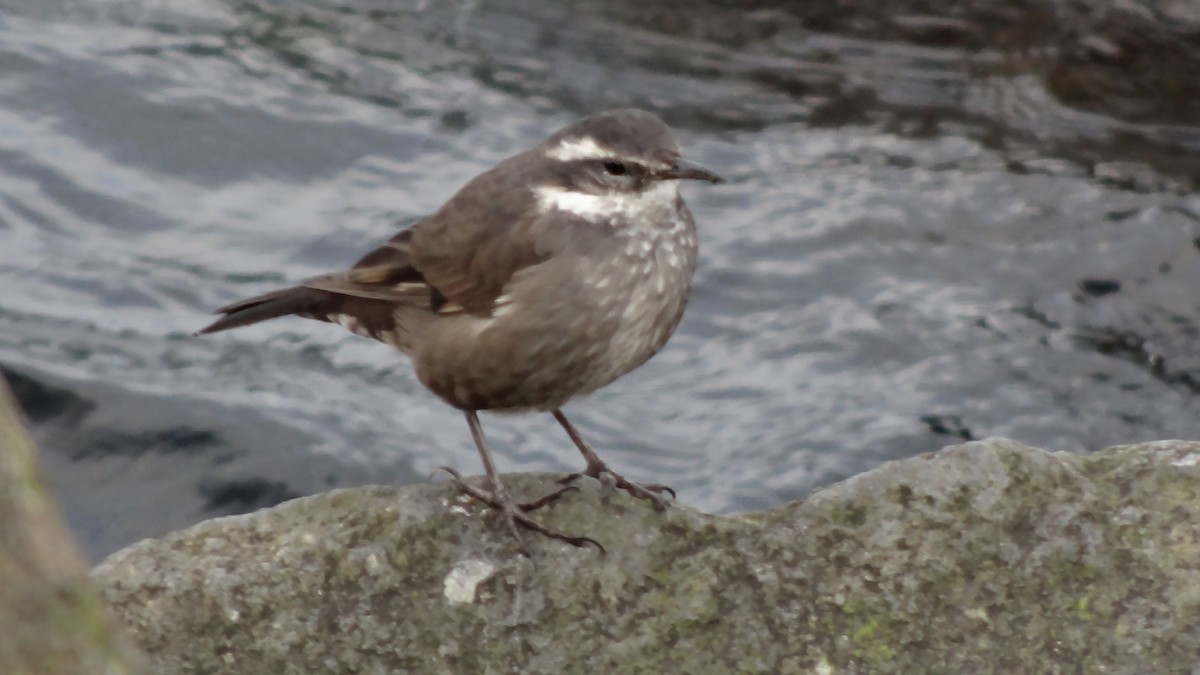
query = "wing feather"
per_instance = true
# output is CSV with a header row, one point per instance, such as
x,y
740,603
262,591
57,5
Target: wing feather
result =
x,y
459,259
385,273
470,249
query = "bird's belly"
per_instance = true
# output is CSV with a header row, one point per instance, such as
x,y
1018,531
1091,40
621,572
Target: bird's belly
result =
x,y
553,344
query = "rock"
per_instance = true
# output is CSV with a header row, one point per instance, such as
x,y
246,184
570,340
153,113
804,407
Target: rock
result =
x,y
986,557
51,619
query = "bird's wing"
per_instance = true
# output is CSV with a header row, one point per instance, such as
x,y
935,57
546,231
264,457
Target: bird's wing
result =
x,y
449,269
471,248
470,269
386,273
461,258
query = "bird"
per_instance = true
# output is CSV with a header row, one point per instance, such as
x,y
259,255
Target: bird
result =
x,y
542,279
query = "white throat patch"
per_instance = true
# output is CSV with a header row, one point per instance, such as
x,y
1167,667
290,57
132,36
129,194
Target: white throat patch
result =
x,y
658,197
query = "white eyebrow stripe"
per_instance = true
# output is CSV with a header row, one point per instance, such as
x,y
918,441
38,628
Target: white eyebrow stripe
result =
x,y
578,148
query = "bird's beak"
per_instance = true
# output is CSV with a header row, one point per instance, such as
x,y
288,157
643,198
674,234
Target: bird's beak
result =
x,y
688,171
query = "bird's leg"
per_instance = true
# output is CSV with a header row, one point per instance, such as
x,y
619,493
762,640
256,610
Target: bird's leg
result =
x,y
499,498
596,468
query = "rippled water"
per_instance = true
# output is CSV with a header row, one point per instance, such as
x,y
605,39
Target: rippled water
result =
x,y
909,251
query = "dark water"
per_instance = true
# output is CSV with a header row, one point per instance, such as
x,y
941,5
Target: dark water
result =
x,y
926,237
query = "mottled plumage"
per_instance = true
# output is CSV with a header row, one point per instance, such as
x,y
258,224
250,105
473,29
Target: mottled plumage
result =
x,y
544,278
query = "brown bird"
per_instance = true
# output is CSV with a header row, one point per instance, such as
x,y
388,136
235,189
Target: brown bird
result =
x,y
546,277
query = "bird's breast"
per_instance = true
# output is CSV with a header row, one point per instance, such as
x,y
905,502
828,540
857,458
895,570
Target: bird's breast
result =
x,y
569,326
639,294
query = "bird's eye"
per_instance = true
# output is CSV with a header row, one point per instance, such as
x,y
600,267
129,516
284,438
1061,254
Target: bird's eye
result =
x,y
614,168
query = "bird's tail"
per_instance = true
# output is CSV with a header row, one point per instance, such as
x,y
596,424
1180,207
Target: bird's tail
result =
x,y
296,300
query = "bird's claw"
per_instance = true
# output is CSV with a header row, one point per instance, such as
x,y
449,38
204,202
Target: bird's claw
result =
x,y
515,512
652,492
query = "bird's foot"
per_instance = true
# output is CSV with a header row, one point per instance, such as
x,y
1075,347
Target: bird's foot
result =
x,y
651,492
514,513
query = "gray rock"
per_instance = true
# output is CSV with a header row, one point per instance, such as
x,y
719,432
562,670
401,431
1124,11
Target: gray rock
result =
x,y
987,557
51,619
